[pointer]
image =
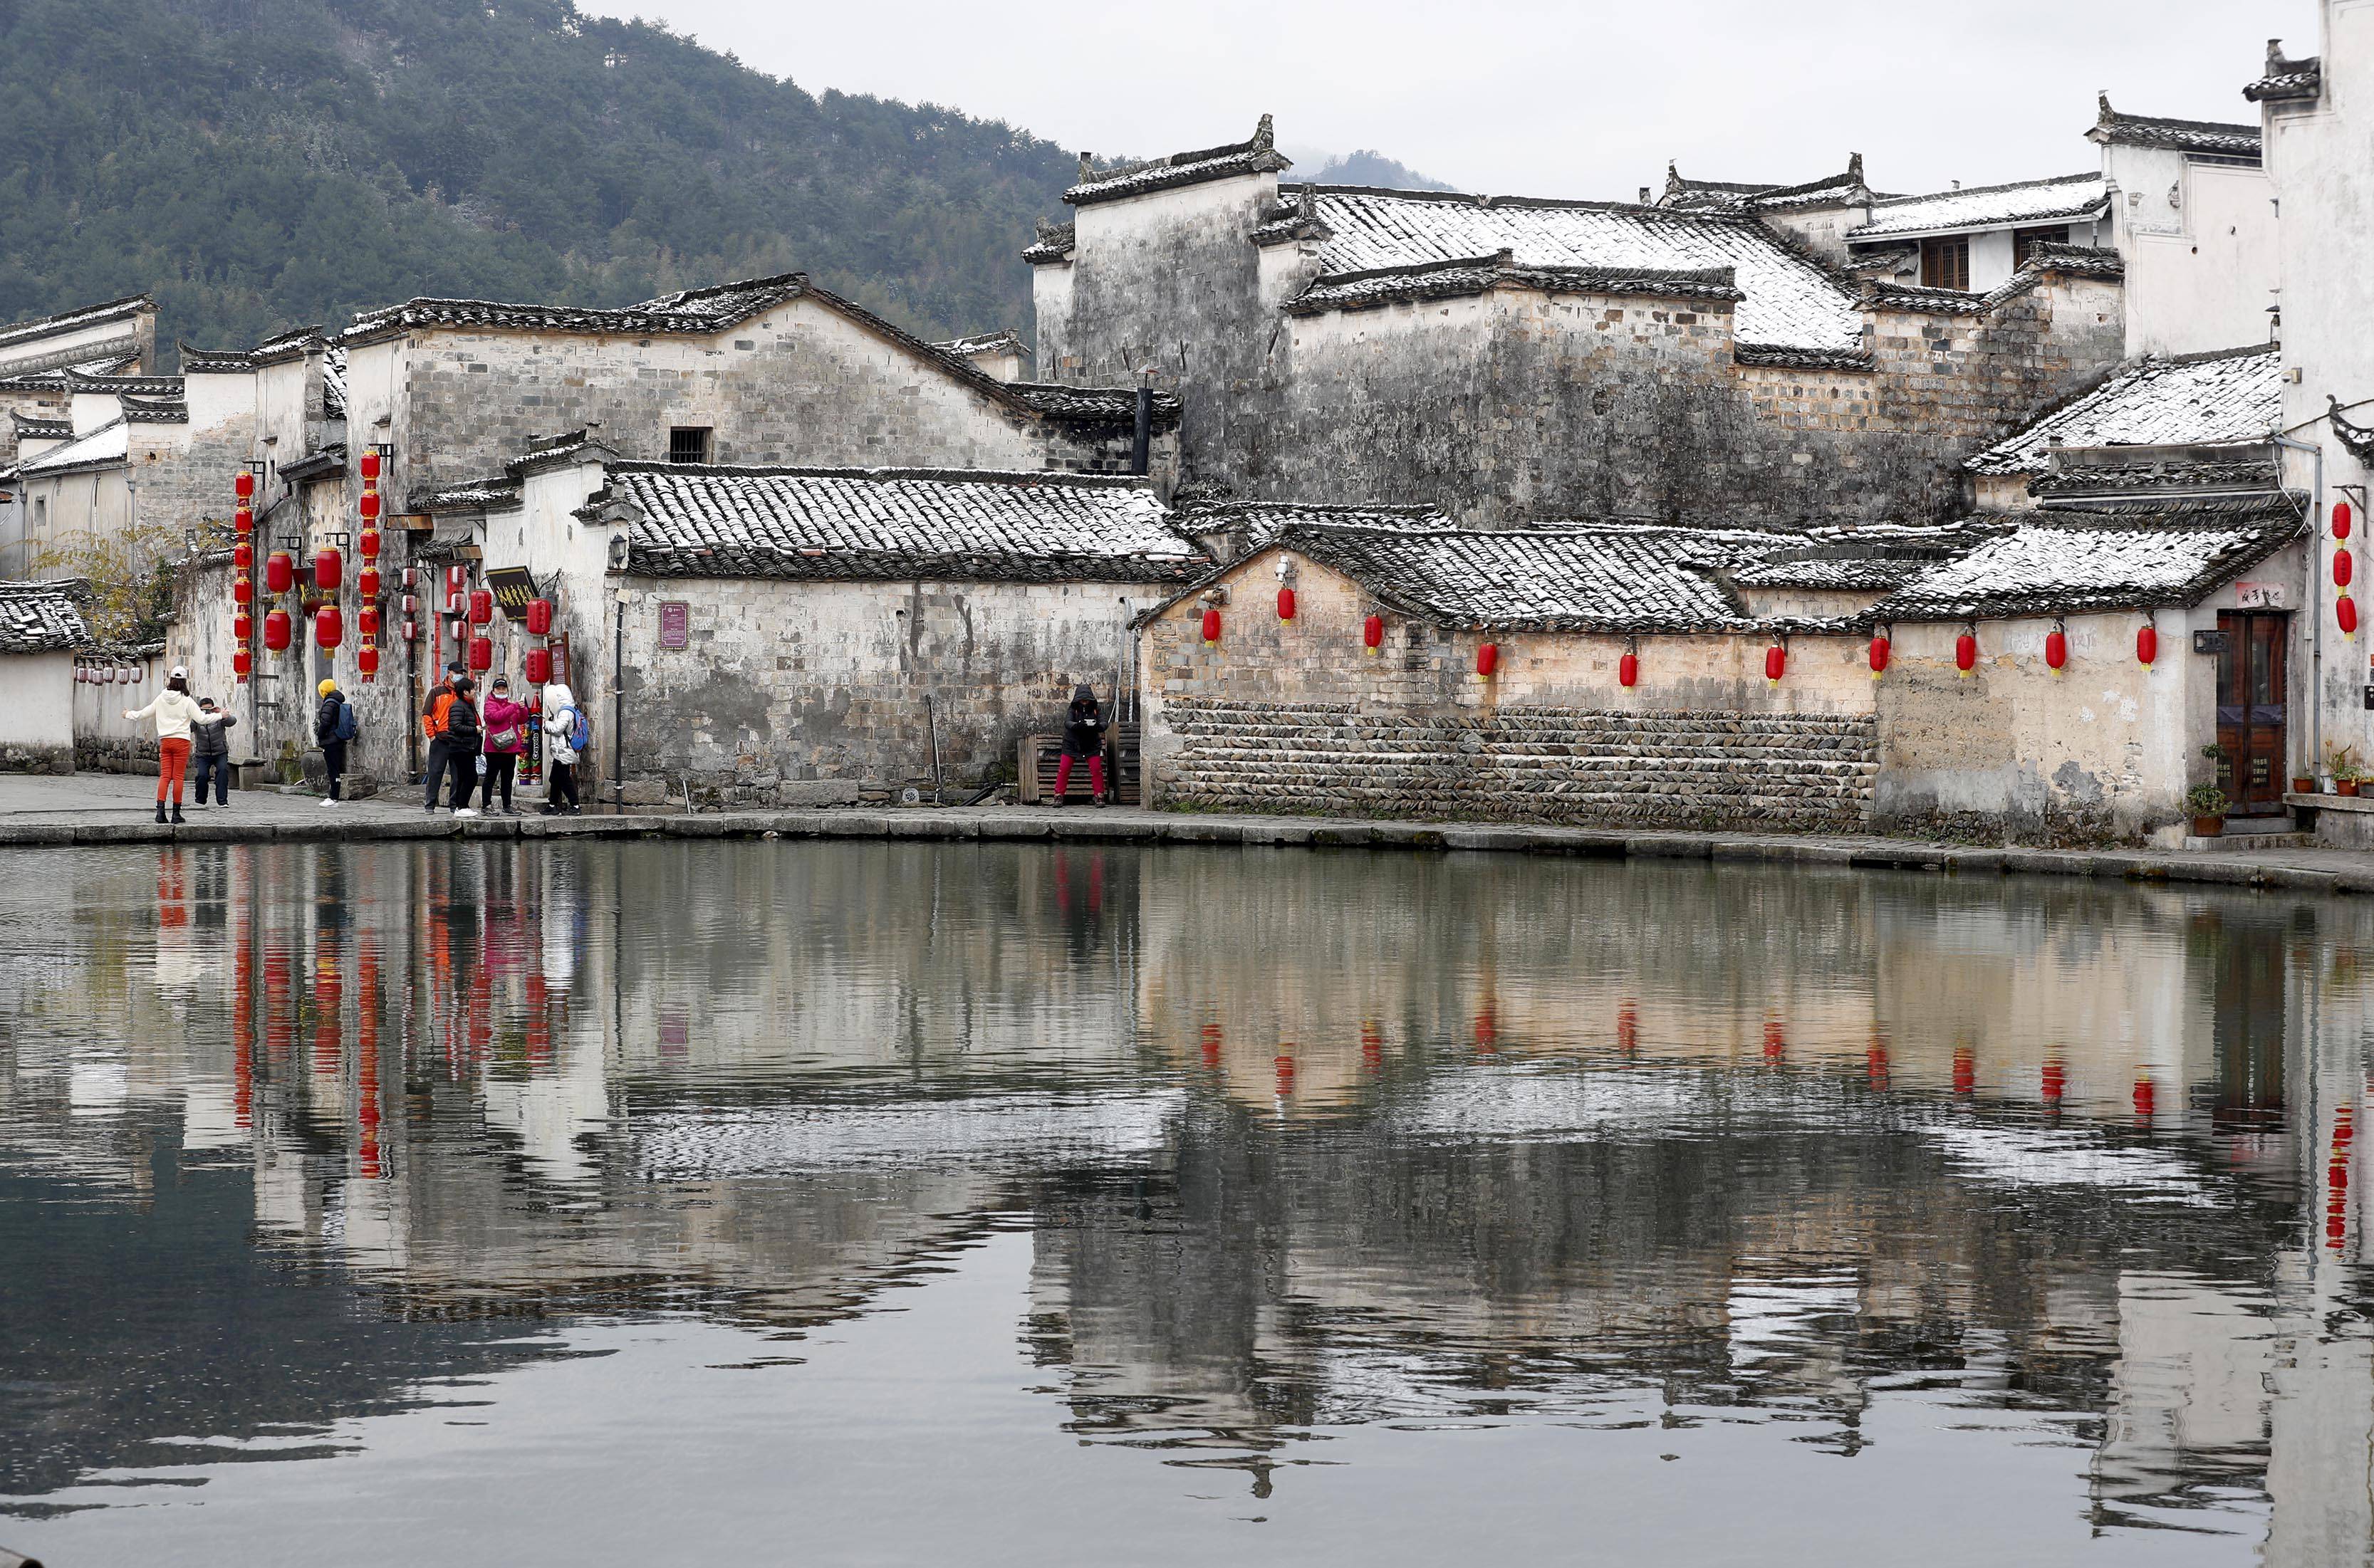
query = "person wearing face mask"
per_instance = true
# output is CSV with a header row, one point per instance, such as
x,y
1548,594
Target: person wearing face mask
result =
x,y
506,725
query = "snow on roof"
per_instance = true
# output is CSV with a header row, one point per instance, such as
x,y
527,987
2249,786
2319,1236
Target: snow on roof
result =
x,y
685,521
2067,562
2188,400
1786,300
698,311
1257,155
1868,572
107,445
1006,342
39,617
2211,136
1986,206
69,321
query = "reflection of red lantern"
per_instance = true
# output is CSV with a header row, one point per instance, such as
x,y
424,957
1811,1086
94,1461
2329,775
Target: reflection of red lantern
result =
x,y
276,631
329,569
482,655
242,627
2056,650
240,663
243,485
367,620
1487,659
242,590
367,660
242,556
537,666
1286,604
1628,669
279,572
482,606
329,627
368,465
1965,652
1372,632
1211,625
367,582
1879,652
1776,664
2148,644
539,617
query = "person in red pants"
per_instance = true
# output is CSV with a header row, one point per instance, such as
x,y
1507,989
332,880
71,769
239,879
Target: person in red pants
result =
x,y
1084,736
177,715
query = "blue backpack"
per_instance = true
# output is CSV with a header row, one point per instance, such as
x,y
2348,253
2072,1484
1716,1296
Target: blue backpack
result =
x,y
580,732
346,725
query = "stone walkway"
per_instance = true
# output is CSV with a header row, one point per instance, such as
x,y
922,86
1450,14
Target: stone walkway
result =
x,y
100,808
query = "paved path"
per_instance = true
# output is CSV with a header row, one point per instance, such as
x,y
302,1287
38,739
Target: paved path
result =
x,y
116,809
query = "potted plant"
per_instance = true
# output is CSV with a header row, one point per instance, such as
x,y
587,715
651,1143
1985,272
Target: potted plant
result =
x,y
2341,762
2303,784
2208,804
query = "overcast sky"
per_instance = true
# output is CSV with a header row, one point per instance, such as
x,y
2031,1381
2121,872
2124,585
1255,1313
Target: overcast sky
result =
x,y
1573,97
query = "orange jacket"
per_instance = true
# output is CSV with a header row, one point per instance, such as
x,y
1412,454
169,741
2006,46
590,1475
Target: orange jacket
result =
x,y
432,717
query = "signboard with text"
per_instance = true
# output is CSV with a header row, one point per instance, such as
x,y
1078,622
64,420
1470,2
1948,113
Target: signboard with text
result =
x,y
675,624
513,587
2261,596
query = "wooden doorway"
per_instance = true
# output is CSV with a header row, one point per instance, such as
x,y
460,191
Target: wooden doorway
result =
x,y
2251,676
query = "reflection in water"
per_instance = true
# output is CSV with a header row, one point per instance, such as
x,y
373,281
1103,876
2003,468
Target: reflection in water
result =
x,y
1305,1150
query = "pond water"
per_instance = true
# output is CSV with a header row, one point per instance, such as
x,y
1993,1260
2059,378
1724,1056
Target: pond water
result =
x,y
868,1203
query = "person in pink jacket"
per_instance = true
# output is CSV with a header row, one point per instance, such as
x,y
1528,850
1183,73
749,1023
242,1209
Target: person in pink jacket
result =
x,y
506,725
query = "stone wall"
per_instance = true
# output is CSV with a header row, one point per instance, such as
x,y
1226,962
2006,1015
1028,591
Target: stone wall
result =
x,y
804,693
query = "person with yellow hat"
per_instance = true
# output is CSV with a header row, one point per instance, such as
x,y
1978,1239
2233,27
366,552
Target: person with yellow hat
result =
x,y
334,726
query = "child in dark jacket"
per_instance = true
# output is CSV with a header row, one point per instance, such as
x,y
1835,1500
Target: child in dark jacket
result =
x,y
210,757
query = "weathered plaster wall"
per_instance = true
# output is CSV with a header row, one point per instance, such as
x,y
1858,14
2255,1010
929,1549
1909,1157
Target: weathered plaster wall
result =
x,y
2202,267
808,692
105,740
36,730
1294,716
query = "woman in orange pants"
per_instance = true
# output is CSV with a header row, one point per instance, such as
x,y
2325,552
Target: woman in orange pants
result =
x,y
176,714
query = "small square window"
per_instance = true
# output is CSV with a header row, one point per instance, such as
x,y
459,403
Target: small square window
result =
x,y
1945,262
689,443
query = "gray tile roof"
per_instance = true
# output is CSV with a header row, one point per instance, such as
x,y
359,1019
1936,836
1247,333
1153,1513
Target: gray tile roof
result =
x,y
215,361
29,428
2109,483
153,410
1478,274
2114,129
1786,300
1089,407
1005,342
41,617
2064,563
1257,155
2189,400
696,311
1054,243
1865,573
894,524
2287,79
2071,196
36,327
1843,189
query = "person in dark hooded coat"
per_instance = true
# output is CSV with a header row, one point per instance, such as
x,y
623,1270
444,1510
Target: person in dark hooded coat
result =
x,y
1084,736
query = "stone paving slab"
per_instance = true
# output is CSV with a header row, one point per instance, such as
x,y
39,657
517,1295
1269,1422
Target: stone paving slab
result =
x,y
104,809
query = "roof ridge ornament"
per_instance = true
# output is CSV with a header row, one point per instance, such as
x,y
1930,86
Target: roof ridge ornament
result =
x,y
2357,439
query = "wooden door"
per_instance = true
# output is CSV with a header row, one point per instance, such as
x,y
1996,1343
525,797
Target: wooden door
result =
x,y
2251,711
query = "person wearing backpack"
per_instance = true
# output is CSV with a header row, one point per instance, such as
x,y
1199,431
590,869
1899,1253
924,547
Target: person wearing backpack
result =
x,y
566,736
334,726
506,723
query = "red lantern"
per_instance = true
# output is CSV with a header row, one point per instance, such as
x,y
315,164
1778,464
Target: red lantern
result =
x,y
411,632
1372,632
2341,520
276,631
242,556
2342,569
1879,652
482,606
1776,662
1487,659
242,522
279,572
329,569
367,660
1286,604
1211,625
241,661
242,590
2056,650
537,666
367,546
2148,644
367,620
243,486
329,627
539,617
367,505
1965,652
2345,611
242,627
1628,669
368,465
482,655
367,582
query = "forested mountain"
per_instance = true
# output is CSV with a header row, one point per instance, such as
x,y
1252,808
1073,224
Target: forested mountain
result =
x,y
1369,167
261,164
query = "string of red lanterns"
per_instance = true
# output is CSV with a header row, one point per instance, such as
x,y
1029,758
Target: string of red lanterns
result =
x,y
242,582
367,586
2344,608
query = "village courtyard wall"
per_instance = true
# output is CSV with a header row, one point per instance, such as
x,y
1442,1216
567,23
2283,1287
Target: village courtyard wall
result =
x,y
37,721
